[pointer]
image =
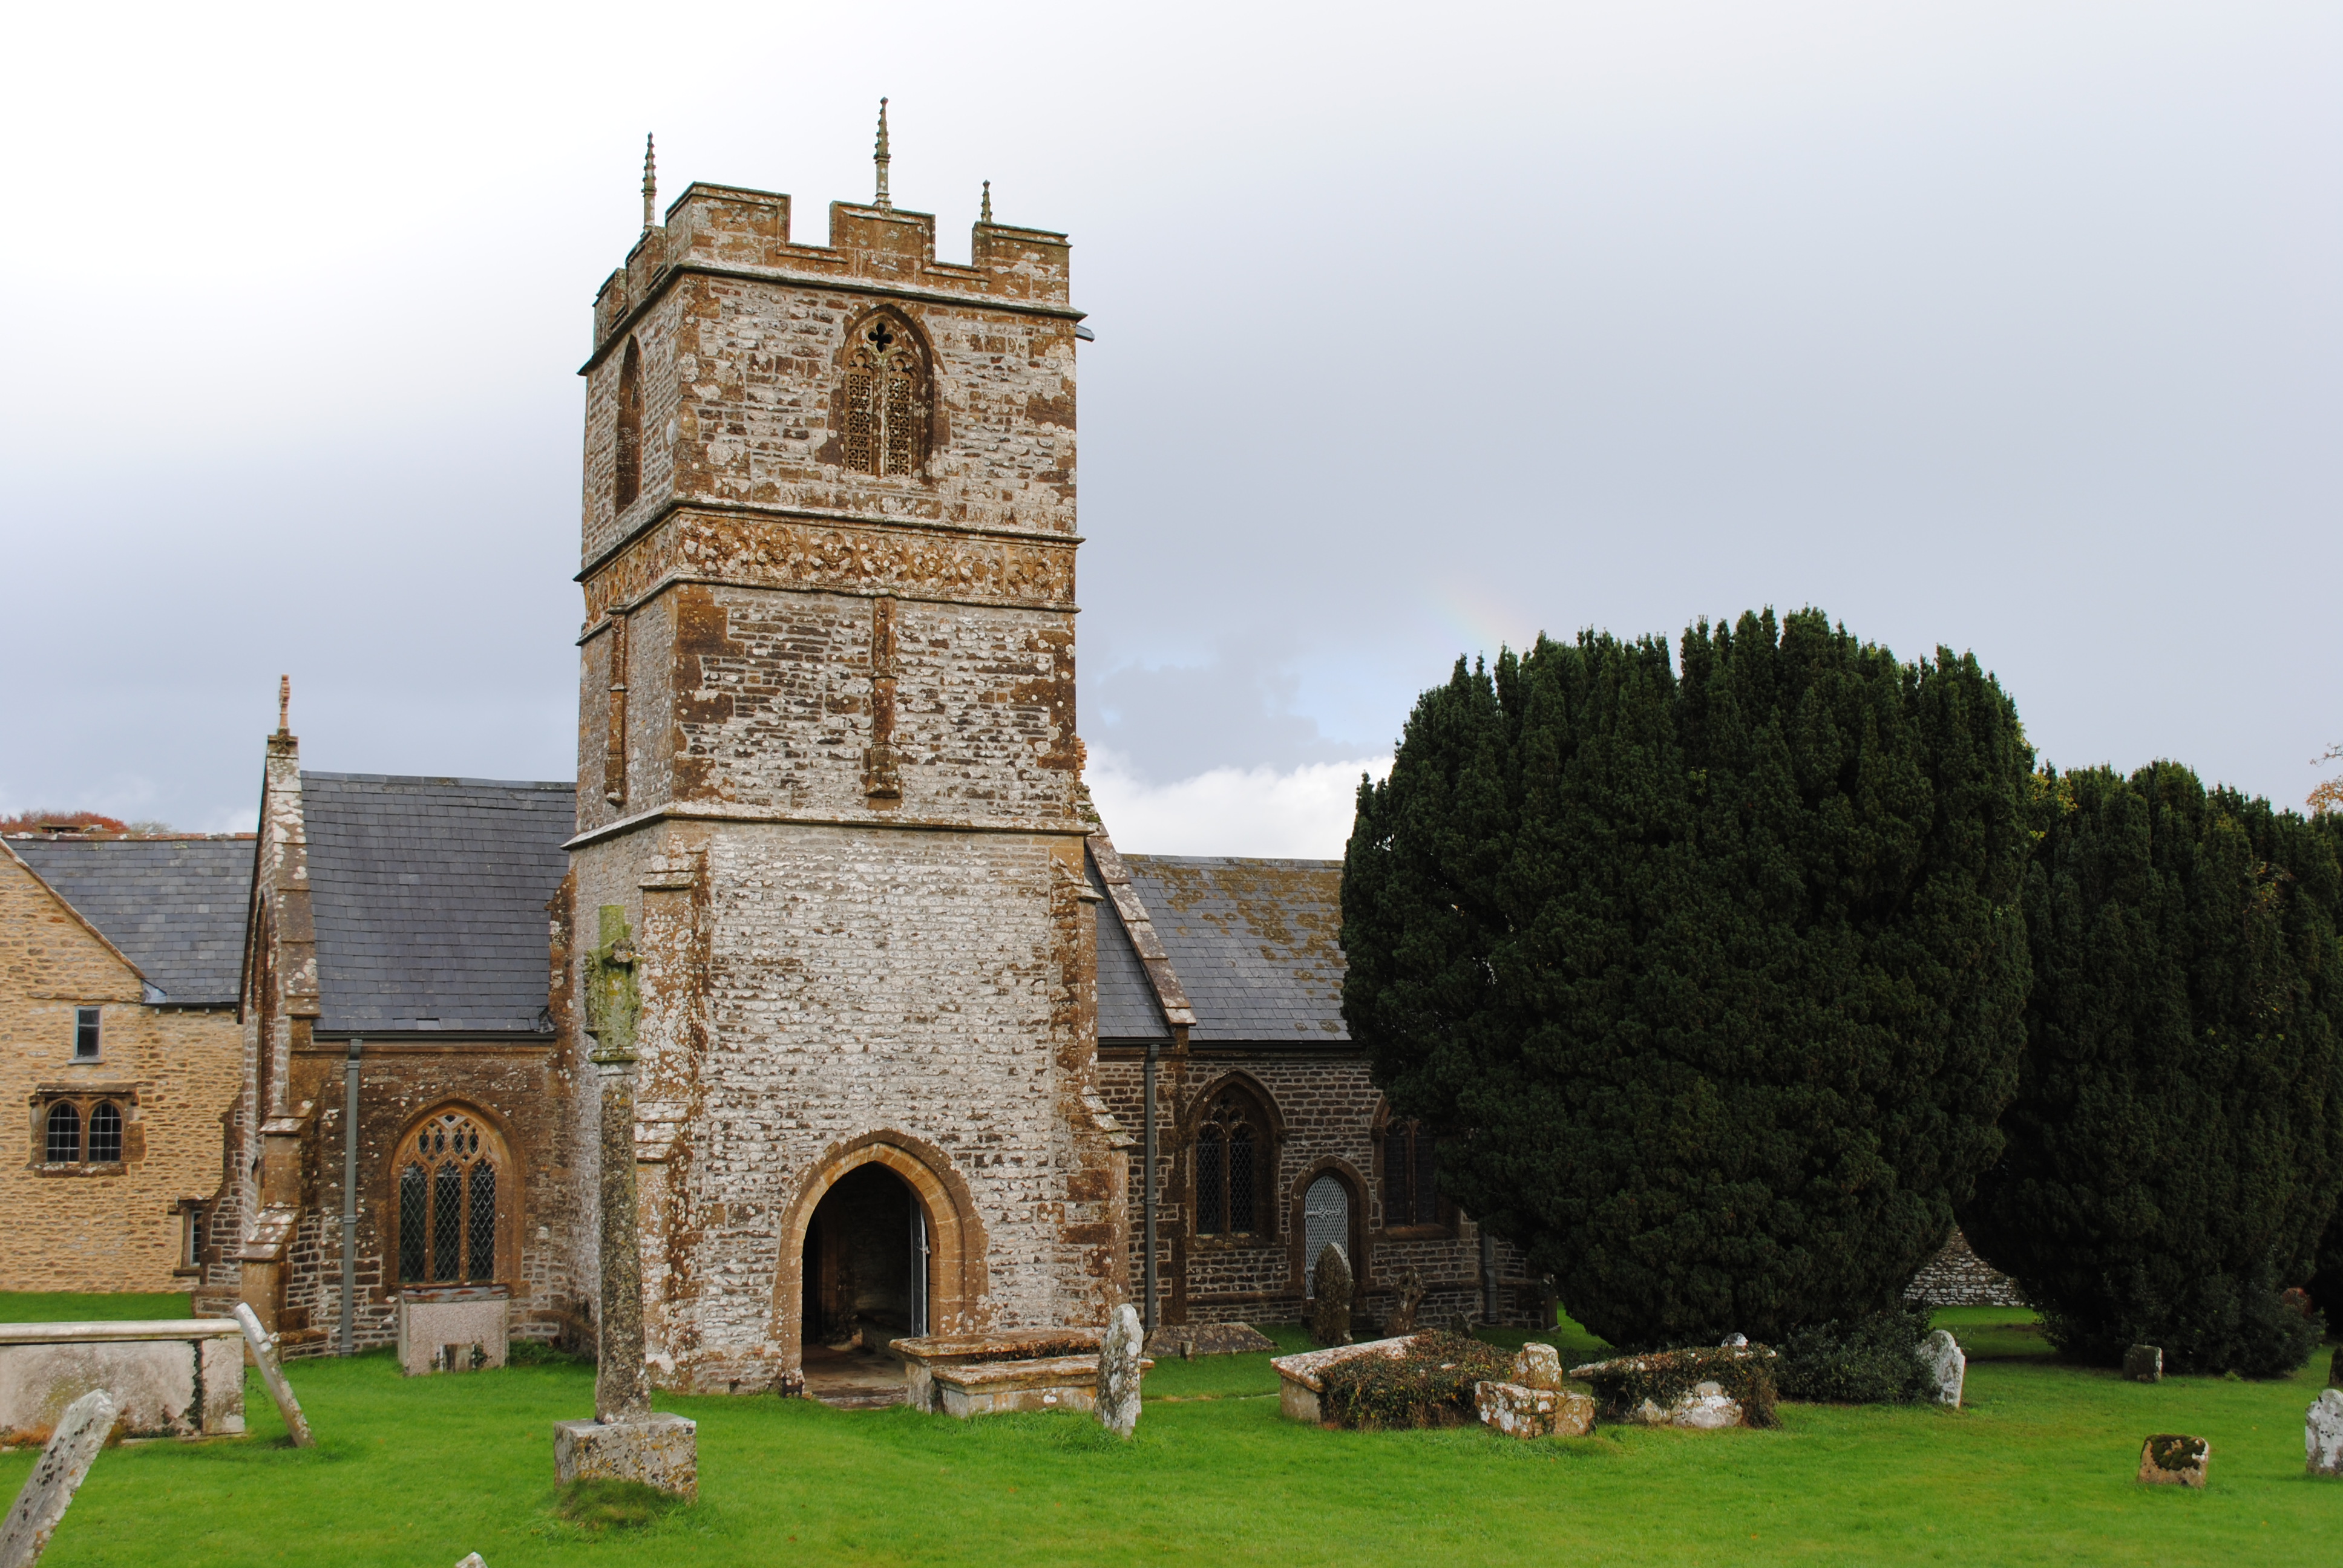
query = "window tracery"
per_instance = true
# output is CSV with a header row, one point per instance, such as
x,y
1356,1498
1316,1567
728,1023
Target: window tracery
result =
x,y
64,1134
447,1203
884,419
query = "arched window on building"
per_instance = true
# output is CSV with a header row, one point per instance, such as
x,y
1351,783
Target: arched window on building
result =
x,y
885,403
64,1135
105,1135
1411,1176
448,1182
1232,1164
627,477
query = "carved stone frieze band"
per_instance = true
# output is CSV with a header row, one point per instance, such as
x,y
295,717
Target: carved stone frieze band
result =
x,y
771,552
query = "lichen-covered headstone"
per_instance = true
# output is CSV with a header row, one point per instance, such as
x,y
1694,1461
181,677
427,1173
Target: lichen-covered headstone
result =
x,y
1947,1367
56,1475
1118,1371
1402,1321
2322,1433
2334,1368
2174,1459
2144,1363
1330,1305
1537,1366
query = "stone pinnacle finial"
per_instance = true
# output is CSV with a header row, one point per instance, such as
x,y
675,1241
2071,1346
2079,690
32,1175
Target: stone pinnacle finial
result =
x,y
283,700
650,181
986,215
880,158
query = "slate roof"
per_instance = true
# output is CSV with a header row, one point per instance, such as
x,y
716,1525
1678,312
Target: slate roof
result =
x,y
1127,1008
174,906
1255,942
429,897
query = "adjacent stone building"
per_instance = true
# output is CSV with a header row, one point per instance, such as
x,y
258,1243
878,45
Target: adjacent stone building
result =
x,y
118,1038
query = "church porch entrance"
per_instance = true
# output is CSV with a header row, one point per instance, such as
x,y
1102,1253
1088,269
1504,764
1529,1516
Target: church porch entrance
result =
x,y
864,1276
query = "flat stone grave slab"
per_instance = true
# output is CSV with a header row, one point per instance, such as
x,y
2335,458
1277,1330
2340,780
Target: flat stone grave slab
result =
x,y
1301,1378
168,1377
989,1388
1208,1339
923,1356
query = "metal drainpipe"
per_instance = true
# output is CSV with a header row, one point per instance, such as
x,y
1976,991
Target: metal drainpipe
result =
x,y
350,1198
1147,1201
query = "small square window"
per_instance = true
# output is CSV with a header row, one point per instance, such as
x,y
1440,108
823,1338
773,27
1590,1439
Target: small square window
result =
x,y
86,1033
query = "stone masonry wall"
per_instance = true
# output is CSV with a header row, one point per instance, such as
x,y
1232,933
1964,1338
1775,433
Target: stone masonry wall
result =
x,y
1326,1109
173,1072
1957,1277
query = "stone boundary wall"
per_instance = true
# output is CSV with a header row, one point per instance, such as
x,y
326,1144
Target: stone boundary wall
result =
x,y
1957,1277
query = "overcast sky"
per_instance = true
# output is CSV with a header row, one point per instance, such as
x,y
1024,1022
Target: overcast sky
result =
x,y
2012,327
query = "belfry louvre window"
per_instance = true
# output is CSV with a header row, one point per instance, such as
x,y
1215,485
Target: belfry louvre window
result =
x,y
447,1204
1230,1152
885,411
1411,1176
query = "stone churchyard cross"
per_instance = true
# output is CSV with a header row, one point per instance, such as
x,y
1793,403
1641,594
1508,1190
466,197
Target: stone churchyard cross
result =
x,y
626,1439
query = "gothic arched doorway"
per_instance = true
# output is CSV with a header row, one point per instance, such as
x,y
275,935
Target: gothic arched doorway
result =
x,y
863,1282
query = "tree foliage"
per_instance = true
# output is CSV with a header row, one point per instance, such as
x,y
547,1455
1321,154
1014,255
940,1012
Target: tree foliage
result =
x,y
2176,1143
1710,983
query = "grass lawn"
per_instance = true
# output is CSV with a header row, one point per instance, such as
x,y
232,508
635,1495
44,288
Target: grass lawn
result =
x,y
67,1307
2038,1470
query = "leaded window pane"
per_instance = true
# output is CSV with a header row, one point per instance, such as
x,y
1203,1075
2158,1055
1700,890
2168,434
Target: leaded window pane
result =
x,y
1241,1178
1211,1189
1427,1179
105,1135
64,1134
414,1222
482,1227
447,1222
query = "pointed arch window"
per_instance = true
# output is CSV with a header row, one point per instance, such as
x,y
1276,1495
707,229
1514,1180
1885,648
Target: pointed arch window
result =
x,y
628,480
1232,1152
447,1203
885,403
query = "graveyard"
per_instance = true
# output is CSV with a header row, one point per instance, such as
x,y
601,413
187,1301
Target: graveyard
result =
x,y
2037,1467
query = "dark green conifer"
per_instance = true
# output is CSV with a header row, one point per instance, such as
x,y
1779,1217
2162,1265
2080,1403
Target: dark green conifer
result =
x,y
1710,984
2175,1147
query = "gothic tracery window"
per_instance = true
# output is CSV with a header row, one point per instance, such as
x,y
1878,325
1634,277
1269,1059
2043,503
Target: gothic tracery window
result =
x,y
447,1203
1232,1150
885,412
1411,1176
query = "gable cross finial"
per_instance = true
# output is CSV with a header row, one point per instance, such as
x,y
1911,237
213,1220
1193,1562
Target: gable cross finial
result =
x,y
650,181
883,198
986,215
284,701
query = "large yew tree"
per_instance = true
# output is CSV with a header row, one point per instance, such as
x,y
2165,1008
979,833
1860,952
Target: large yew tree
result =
x,y
2176,1143
1710,980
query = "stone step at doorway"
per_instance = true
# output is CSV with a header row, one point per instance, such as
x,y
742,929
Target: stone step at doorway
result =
x,y
853,1380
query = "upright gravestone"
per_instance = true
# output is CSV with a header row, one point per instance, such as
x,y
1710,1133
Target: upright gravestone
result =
x,y
81,1432
1330,1304
2144,1363
1947,1367
626,1439
1118,1371
2322,1434
272,1372
1401,1322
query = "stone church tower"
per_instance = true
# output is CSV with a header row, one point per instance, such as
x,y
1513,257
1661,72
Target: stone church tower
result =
x,y
829,871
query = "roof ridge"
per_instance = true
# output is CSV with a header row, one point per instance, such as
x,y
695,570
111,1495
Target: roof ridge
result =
x,y
444,780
